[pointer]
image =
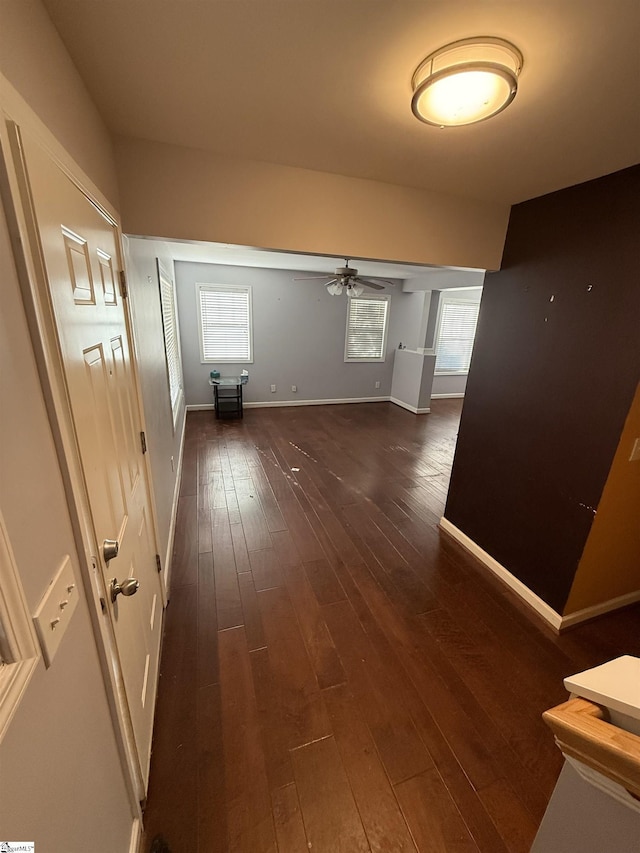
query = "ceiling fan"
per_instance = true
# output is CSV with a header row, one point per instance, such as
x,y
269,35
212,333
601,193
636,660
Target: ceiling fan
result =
x,y
346,277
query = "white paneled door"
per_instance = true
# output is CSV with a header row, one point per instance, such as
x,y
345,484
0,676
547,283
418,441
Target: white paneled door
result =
x,y
80,252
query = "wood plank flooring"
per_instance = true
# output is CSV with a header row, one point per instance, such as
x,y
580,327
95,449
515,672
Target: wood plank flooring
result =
x,y
337,675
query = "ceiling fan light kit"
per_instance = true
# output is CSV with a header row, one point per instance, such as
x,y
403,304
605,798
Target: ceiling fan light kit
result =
x,y
465,82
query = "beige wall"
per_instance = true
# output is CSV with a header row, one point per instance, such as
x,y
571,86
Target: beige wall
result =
x,y
610,563
163,441
36,63
61,780
61,783
174,192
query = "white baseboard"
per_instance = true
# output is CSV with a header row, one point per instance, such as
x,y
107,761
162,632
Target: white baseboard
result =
x,y
408,407
447,396
136,837
598,609
174,510
268,404
274,404
541,607
558,623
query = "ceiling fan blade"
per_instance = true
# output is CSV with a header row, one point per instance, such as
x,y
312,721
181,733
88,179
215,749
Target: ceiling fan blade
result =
x,y
312,277
368,283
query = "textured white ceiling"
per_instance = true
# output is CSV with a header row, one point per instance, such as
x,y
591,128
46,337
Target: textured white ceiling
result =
x,y
326,85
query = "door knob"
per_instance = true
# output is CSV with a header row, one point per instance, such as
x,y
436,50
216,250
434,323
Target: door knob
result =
x,y
128,587
110,549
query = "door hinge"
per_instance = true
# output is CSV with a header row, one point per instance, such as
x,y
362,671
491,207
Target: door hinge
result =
x,y
123,284
143,442
158,563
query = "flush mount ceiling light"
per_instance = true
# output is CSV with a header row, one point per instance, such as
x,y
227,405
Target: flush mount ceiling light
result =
x,y
466,81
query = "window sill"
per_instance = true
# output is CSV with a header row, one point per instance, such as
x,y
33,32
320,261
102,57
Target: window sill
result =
x,y
451,373
227,361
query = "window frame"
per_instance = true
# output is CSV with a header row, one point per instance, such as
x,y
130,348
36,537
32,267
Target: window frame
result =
x,y
225,288
439,371
167,280
380,297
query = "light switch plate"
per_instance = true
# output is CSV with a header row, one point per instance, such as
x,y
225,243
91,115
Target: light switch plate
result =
x,y
56,609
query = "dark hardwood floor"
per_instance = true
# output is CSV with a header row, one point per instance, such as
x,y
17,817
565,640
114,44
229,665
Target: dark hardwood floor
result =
x,y
338,675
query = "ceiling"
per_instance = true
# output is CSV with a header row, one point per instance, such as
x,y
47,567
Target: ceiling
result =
x,y
326,85
436,278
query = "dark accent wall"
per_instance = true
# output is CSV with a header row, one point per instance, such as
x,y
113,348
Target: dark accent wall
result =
x,y
554,369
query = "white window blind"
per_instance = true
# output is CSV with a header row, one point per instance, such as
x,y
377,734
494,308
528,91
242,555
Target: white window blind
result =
x,y
225,323
171,340
456,334
366,328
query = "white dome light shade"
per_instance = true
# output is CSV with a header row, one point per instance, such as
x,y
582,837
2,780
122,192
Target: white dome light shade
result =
x,y
464,97
466,82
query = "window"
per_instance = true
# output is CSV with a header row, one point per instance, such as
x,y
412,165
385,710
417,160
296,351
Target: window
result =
x,y
171,338
456,333
225,319
366,337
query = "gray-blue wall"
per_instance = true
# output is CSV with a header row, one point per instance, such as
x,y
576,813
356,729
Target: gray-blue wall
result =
x,y
298,337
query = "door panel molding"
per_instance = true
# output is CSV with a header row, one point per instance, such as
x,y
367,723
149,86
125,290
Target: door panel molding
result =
x,y
16,194
16,112
103,404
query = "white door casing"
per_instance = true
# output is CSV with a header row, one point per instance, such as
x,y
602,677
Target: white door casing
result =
x,y
79,246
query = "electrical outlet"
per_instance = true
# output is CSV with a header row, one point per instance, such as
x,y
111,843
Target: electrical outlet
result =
x,y
273,389
635,452
377,383
294,387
